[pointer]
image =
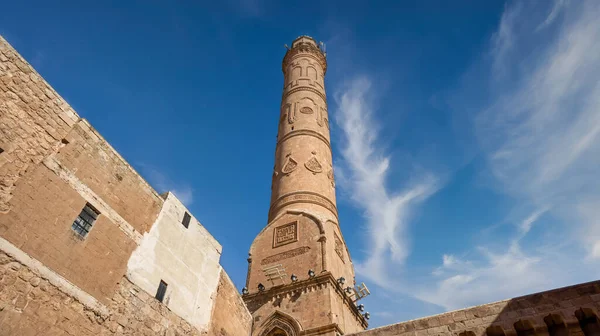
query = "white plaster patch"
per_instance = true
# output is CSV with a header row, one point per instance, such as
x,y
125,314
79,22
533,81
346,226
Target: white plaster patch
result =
x,y
187,259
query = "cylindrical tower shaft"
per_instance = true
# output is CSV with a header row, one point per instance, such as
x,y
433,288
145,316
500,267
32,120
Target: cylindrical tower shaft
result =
x,y
299,267
303,163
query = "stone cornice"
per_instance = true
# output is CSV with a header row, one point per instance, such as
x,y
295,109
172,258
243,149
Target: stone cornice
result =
x,y
320,281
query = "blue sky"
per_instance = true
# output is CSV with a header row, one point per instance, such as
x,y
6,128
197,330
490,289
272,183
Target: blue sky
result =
x,y
465,137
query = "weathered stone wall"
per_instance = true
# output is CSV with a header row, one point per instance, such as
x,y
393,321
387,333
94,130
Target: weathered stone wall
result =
x,y
561,312
51,164
39,223
230,317
32,303
94,163
33,120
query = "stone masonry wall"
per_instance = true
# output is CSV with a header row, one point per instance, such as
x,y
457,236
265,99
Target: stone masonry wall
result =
x,y
96,164
230,316
39,223
33,120
568,311
32,305
51,164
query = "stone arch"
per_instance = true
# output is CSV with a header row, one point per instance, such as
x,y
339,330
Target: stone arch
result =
x,y
280,324
588,321
524,328
296,72
556,325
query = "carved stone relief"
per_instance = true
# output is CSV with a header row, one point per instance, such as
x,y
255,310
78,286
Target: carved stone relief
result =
x,y
313,165
321,120
285,255
291,113
330,177
285,234
289,166
306,110
339,246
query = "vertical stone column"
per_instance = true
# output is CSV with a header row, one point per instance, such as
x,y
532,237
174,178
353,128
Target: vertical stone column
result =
x,y
303,170
296,262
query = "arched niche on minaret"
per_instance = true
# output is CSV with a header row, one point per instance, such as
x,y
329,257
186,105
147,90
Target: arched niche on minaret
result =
x,y
279,324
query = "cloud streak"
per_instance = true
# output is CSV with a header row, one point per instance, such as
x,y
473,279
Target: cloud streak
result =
x,y
365,169
538,129
540,135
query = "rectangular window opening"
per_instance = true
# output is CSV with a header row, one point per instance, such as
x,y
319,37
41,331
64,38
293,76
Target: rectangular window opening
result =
x,y
186,220
162,289
84,222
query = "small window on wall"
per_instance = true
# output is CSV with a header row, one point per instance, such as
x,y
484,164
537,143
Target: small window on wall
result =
x,y
162,289
84,222
186,220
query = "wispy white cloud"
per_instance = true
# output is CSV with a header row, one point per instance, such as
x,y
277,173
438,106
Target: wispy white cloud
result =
x,y
539,133
163,183
365,170
494,275
538,129
526,224
541,128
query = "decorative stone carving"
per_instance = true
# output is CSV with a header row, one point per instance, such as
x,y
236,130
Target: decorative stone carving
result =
x,y
306,110
339,246
285,255
291,113
330,177
285,234
307,50
304,88
289,166
313,165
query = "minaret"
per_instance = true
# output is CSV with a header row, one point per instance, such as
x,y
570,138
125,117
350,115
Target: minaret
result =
x,y
303,234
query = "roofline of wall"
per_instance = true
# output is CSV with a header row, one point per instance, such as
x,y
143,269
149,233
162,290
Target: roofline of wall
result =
x,y
488,304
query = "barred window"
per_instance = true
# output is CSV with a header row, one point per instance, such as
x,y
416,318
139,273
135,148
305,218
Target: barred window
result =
x,y
83,223
186,220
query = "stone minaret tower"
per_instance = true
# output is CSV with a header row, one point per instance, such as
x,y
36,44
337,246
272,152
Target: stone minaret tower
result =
x,y
303,233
